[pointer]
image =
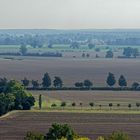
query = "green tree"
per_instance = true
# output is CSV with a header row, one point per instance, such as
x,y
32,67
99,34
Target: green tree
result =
x,y
58,83
111,79
137,105
63,104
23,49
34,136
25,82
59,131
73,104
40,101
122,81
88,83
79,84
91,104
110,105
46,80
129,106
109,54
135,85
35,84
118,136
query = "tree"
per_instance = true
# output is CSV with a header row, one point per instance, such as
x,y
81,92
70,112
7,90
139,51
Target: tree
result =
x,y
53,105
58,82
73,104
109,54
88,83
100,106
127,52
91,104
88,55
25,82
137,105
111,79
81,105
122,81
110,105
129,106
23,49
35,84
135,85
118,105
34,136
118,136
83,55
40,101
59,131
91,45
46,80
135,52
79,84
63,104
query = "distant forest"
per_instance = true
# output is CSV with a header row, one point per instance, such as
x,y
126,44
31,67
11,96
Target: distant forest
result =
x,y
37,38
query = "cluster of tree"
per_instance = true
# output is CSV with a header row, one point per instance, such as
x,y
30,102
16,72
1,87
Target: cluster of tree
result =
x,y
46,82
13,96
85,55
86,84
130,52
111,81
65,132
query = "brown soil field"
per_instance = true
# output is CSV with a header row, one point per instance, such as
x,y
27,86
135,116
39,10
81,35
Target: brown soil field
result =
x,y
15,126
71,70
98,97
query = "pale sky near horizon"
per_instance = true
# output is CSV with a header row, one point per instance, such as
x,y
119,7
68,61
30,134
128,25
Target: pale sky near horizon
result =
x,y
69,14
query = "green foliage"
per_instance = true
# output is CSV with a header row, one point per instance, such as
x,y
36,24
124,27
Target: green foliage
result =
x,y
23,49
111,79
46,80
88,83
135,85
35,84
34,136
109,54
59,131
25,82
118,136
130,52
91,104
122,81
14,96
58,82
63,104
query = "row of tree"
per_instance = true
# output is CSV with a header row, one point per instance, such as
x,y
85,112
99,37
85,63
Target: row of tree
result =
x,y
58,82
13,96
91,104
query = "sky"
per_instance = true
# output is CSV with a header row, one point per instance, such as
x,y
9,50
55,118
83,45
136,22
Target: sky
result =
x,y
69,14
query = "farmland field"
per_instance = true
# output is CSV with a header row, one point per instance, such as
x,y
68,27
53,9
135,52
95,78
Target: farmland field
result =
x,y
71,70
88,124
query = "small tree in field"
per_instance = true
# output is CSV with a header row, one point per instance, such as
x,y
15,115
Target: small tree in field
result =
x,y
53,105
110,105
40,101
111,79
73,104
23,49
118,105
81,105
137,105
100,106
35,84
46,80
91,104
63,104
122,81
129,106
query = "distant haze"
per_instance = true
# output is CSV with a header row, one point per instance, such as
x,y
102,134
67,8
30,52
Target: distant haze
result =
x,y
69,14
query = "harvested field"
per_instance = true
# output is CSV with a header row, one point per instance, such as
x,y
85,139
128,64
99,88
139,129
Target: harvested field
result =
x,y
15,126
71,70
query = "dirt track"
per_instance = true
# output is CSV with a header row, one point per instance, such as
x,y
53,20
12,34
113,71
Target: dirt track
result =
x,y
15,126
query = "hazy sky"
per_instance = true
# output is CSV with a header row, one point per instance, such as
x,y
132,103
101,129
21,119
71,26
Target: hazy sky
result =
x,y
69,14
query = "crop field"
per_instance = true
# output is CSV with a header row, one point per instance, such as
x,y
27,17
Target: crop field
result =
x,y
88,124
71,70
